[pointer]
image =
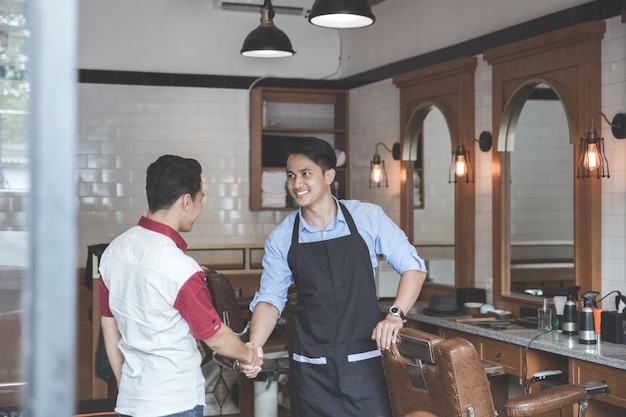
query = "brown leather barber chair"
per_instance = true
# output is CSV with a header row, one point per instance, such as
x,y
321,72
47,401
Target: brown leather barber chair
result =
x,y
446,377
229,308
226,302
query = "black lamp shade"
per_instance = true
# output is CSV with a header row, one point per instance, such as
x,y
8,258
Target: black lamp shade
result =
x,y
341,14
267,42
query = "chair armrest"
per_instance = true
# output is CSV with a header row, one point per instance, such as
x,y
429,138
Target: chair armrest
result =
x,y
546,400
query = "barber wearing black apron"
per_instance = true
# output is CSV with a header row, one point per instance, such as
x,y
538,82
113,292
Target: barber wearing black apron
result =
x,y
326,251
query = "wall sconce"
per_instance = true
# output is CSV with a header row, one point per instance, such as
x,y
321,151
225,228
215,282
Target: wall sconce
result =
x,y
484,141
592,154
341,14
461,165
377,165
267,41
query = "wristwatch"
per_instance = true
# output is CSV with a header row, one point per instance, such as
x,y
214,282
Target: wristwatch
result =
x,y
397,312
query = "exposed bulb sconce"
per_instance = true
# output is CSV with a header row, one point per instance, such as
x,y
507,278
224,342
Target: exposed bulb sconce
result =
x,y
377,165
267,41
592,154
461,166
341,14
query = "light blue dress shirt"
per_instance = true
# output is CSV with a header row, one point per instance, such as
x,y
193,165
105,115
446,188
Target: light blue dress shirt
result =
x,y
381,235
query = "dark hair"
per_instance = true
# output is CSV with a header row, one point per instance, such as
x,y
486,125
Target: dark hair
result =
x,y
168,178
318,150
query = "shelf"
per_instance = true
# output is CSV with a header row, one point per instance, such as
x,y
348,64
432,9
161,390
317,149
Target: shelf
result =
x,y
280,115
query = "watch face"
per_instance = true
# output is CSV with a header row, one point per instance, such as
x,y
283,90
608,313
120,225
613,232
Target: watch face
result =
x,y
395,311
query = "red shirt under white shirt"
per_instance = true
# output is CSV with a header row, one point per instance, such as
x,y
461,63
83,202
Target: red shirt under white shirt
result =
x,y
159,299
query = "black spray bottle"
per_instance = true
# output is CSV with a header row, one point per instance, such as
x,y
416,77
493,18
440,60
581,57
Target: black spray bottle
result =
x,y
570,313
586,330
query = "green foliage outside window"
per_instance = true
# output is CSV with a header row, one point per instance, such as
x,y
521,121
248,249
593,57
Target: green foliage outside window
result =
x,y
14,95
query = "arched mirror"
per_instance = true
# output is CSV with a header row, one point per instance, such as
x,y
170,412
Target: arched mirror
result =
x,y
567,60
541,193
433,198
437,109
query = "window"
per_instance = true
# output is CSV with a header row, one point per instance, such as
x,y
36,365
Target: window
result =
x,y
14,92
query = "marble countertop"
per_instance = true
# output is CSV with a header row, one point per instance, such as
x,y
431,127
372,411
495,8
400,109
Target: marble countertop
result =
x,y
604,353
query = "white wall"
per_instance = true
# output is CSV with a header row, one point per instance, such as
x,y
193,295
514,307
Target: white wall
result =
x,y
428,25
191,37
375,117
614,188
483,266
122,129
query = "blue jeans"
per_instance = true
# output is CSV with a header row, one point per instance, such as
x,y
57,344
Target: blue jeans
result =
x,y
197,411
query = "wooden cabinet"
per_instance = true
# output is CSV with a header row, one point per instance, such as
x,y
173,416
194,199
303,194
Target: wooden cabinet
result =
x,y
505,354
473,339
515,359
279,115
613,404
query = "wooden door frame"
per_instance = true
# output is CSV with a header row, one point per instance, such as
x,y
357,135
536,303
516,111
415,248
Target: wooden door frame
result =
x,y
449,86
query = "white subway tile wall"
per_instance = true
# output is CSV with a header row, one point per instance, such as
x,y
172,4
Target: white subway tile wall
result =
x,y
124,128
375,117
483,266
614,188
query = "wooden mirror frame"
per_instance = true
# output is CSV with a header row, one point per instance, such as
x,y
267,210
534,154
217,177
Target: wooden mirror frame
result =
x,y
569,61
449,87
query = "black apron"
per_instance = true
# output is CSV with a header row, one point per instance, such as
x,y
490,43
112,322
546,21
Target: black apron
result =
x,y
335,367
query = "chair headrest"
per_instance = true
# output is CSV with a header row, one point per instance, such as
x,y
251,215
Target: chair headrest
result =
x,y
418,344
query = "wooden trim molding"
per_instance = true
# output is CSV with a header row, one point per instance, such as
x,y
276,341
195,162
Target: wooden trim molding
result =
x,y
450,88
568,60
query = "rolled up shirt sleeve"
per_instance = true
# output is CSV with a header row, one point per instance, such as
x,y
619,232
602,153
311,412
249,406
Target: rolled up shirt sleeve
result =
x,y
277,276
394,245
384,237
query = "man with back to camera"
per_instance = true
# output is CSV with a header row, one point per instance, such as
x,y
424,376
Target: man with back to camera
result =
x,y
155,304
329,249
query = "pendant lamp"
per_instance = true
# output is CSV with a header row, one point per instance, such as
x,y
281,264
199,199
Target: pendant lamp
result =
x,y
341,14
267,41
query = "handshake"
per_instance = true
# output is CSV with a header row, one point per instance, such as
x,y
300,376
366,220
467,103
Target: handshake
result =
x,y
251,368
274,362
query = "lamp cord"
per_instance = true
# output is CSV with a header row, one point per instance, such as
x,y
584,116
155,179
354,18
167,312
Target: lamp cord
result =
x,y
525,382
